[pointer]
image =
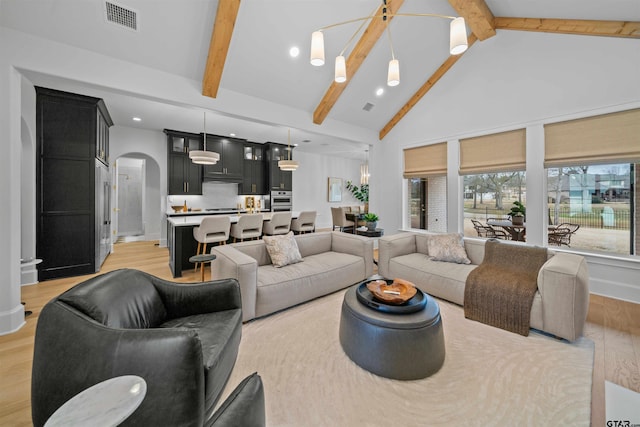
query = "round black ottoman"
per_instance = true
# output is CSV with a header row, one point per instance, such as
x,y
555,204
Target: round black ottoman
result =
x,y
398,346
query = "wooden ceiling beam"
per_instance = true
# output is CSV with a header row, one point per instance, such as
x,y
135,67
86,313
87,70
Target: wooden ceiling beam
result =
x,y
629,29
426,87
477,16
363,47
219,45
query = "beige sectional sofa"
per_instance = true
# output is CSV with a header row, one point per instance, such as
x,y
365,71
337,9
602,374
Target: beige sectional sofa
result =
x,y
331,261
559,307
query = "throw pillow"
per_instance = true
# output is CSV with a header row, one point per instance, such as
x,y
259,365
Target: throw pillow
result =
x,y
447,248
282,249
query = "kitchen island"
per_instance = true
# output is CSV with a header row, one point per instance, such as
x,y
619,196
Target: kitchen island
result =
x,y
181,242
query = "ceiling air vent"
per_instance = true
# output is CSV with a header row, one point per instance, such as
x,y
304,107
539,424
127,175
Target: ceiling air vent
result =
x,y
119,15
368,106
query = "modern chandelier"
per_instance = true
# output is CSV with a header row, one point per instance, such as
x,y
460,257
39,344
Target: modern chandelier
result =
x,y
204,157
288,165
457,42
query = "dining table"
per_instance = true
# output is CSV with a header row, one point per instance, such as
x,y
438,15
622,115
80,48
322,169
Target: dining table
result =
x,y
517,232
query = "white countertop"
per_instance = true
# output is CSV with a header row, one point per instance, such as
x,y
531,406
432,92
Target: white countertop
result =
x,y
188,220
171,212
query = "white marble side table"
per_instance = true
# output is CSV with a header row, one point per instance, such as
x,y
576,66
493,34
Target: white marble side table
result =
x,y
105,404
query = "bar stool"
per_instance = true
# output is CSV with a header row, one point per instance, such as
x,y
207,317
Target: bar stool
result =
x,y
247,227
306,222
280,223
212,229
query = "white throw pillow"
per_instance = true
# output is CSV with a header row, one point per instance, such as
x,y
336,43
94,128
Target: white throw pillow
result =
x,y
447,248
282,249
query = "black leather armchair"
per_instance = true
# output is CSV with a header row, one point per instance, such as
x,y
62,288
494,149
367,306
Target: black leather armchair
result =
x,y
182,339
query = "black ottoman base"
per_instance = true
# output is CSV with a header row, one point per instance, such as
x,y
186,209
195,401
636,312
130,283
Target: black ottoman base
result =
x,y
398,346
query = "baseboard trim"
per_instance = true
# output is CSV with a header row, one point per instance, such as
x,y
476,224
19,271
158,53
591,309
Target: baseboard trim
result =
x,y
11,321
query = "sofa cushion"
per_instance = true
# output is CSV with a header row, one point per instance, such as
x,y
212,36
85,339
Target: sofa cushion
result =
x,y
131,302
318,275
439,279
282,249
448,248
314,243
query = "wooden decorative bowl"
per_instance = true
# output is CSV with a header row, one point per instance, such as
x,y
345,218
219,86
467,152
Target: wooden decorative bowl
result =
x,y
177,209
395,293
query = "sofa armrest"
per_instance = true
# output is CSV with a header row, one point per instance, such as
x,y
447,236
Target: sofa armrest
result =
x,y
353,244
392,246
187,299
563,283
73,352
231,263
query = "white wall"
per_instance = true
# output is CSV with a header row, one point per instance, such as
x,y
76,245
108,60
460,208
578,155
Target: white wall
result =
x,y
310,184
523,81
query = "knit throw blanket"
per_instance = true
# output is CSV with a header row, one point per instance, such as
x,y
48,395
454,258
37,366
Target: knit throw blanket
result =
x,y
500,291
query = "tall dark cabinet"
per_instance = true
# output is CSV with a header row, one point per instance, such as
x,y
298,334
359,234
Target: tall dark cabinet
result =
x,y
278,179
72,188
230,166
184,177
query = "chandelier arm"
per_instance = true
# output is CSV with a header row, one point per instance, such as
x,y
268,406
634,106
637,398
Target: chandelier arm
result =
x,y
364,18
393,55
353,36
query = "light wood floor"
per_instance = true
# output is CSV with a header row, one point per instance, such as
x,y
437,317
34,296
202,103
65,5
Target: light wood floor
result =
x,y
613,325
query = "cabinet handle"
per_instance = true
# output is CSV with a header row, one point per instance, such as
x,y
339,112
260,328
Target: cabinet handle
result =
x,y
253,188
187,186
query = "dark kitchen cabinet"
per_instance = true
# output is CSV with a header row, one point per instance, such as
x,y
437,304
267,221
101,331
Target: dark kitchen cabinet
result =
x,y
230,166
72,183
184,176
254,180
278,179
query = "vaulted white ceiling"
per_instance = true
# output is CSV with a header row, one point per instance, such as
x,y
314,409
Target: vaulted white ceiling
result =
x,y
174,36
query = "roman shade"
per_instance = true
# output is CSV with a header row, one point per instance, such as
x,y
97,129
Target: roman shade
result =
x,y
607,138
428,160
498,152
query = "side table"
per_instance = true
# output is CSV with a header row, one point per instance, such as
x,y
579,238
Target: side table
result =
x,y
108,403
378,232
203,258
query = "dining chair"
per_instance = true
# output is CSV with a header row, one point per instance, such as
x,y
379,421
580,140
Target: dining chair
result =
x,y
340,220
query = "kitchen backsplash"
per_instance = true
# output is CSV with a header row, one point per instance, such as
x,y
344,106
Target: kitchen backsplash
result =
x,y
214,195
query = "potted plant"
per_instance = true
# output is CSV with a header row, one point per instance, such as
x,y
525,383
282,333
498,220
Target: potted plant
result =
x,y
360,193
372,220
517,213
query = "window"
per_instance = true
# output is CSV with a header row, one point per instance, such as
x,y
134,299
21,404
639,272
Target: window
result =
x,y
425,169
599,200
428,203
491,196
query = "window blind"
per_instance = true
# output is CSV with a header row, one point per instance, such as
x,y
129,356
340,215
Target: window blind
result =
x,y
428,160
606,138
498,152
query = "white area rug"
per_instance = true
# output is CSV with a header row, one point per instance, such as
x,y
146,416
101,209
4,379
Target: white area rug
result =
x,y
490,377
622,405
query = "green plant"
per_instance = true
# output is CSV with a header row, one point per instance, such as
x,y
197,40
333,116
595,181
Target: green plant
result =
x,y
518,209
370,217
361,193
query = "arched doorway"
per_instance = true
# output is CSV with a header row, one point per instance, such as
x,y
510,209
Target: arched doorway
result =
x,y
136,198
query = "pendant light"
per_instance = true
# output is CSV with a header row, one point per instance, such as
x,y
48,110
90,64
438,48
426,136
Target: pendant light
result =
x,y
204,157
288,165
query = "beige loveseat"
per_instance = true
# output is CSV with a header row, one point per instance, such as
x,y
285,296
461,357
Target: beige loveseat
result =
x,y
331,261
559,307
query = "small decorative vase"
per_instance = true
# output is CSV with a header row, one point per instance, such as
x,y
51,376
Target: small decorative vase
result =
x,y
371,226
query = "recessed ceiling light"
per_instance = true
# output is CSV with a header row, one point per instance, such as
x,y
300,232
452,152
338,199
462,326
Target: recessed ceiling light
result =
x,y
294,52
137,119
379,91
232,134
